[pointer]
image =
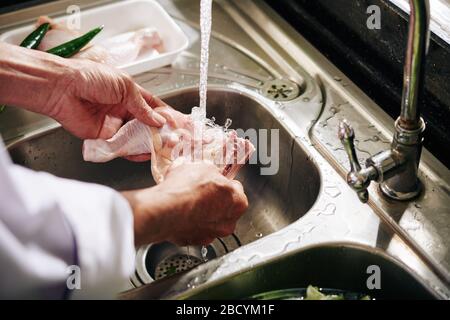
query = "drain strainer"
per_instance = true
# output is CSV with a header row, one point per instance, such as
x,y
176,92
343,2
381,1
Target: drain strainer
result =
x,y
175,264
159,260
281,90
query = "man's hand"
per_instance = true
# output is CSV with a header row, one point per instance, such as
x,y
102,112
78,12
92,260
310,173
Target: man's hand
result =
x,y
89,99
99,99
194,205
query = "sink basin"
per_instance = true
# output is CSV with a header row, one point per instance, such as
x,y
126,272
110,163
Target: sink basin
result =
x,y
275,200
334,266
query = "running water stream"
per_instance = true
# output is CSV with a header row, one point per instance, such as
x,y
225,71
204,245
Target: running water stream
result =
x,y
199,113
205,30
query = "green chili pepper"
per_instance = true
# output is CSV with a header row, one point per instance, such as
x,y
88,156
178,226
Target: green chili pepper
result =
x,y
33,40
68,49
65,50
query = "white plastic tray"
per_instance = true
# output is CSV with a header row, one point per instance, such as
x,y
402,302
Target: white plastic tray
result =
x,y
122,17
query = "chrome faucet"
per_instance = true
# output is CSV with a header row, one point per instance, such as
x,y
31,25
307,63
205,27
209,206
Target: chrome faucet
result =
x,y
396,169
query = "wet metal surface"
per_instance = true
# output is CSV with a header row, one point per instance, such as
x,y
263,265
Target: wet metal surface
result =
x,y
307,202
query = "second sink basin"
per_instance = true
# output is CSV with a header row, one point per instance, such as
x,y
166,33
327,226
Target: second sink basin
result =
x,y
340,266
275,200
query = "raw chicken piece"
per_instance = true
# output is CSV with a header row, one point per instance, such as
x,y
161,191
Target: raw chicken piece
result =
x,y
179,140
58,34
115,51
124,48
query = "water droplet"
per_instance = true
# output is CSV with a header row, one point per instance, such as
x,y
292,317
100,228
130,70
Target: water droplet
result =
x,y
334,110
329,210
332,191
306,99
337,78
228,123
280,106
188,256
417,205
259,235
376,138
204,253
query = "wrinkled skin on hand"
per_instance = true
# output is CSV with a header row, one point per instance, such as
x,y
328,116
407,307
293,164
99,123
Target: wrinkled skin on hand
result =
x,y
99,99
195,204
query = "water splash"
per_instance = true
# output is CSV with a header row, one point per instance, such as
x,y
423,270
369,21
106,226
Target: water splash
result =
x,y
334,110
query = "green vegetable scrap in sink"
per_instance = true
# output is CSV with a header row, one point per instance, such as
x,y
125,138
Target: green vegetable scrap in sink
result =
x,y
310,293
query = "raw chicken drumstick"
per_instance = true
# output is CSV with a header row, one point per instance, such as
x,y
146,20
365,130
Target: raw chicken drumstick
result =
x,y
180,139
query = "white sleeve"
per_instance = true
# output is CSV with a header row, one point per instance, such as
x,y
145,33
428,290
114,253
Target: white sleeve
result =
x,y
48,224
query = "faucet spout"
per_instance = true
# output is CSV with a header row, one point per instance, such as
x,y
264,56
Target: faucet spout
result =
x,y
414,69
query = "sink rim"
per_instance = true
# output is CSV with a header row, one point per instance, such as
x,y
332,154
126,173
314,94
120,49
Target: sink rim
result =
x,y
185,295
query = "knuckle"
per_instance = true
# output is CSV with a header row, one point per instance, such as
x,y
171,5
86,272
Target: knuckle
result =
x,y
126,78
243,202
128,87
151,101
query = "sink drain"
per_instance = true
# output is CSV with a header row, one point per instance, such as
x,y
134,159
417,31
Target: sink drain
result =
x,y
175,264
159,260
281,90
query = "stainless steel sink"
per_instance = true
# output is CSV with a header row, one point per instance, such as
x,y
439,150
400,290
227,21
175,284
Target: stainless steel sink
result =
x,y
253,49
275,200
336,266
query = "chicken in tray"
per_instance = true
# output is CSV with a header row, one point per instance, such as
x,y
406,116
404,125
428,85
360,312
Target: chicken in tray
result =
x,y
181,139
117,51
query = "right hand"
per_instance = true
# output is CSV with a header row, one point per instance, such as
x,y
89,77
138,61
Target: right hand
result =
x,y
192,206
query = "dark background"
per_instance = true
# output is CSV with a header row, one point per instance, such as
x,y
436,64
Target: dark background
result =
x,y
373,59
10,5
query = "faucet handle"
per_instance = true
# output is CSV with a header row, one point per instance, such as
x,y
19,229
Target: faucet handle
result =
x,y
358,179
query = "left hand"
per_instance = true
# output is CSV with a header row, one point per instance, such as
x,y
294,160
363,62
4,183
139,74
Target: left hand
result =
x,y
99,99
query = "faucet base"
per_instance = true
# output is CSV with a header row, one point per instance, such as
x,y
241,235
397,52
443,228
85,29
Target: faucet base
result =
x,y
399,195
